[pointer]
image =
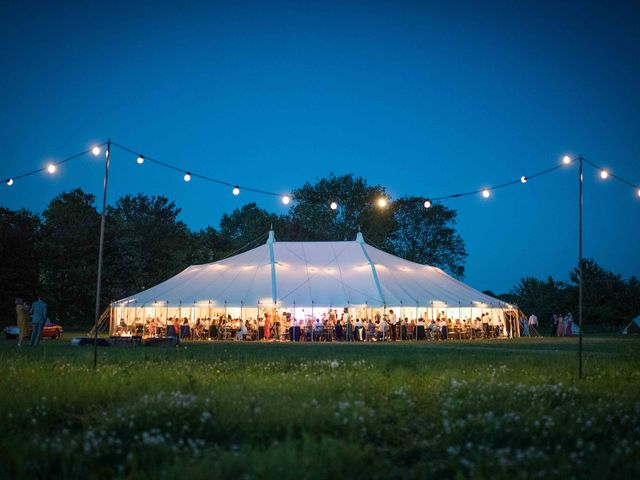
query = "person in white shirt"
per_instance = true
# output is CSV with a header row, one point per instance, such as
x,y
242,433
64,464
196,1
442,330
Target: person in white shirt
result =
x,y
359,330
485,324
393,320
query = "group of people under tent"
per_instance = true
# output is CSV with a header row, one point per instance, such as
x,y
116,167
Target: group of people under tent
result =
x,y
330,326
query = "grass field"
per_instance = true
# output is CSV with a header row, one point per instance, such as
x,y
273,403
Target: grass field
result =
x,y
483,409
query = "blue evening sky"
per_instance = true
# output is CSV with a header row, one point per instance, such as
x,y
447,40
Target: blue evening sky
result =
x,y
423,98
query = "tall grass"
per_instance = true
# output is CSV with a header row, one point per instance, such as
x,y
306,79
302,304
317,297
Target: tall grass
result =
x,y
406,410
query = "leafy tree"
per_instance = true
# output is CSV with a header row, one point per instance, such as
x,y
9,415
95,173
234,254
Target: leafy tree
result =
x,y
248,224
150,244
544,298
68,255
208,245
357,208
605,294
19,231
427,235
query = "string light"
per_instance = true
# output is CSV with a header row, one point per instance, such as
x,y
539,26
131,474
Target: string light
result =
x,y
381,202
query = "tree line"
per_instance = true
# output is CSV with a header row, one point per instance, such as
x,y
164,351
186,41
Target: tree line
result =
x,y
608,298
55,252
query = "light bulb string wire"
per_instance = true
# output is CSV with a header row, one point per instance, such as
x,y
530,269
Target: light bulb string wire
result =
x,y
56,163
530,177
275,194
193,174
612,175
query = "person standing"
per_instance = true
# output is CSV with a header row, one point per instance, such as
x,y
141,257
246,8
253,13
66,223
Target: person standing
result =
x,y
267,326
39,316
533,324
393,321
568,327
22,320
560,327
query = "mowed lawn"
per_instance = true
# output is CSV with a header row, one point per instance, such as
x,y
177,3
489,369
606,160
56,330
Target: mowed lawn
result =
x,y
482,409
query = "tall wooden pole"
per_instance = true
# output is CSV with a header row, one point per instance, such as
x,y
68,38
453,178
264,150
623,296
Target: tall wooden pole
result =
x,y
580,282
100,251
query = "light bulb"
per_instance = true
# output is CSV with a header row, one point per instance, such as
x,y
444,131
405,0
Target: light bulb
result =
x,y
95,150
604,174
486,193
523,179
638,192
140,159
236,190
286,199
51,168
382,202
427,204
187,177
9,181
566,159
334,205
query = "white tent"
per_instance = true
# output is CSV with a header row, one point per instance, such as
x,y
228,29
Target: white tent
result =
x,y
308,275
633,327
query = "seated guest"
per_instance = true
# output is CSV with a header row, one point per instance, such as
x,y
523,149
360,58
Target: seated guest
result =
x,y
185,331
242,330
199,329
411,329
123,328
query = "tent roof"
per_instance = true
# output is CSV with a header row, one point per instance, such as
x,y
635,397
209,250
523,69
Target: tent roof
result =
x,y
318,273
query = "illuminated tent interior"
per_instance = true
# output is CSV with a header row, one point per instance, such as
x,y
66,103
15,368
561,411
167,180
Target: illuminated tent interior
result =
x,y
306,279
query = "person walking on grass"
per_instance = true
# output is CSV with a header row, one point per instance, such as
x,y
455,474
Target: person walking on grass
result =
x,y
22,314
38,317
